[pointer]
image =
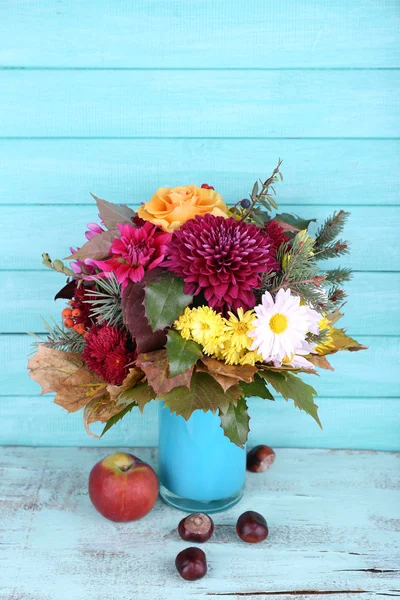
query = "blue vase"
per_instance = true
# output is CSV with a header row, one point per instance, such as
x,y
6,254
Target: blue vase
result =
x,y
200,470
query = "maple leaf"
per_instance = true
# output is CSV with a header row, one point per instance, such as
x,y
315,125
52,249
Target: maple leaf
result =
x,y
204,394
135,320
320,361
293,387
134,376
226,375
156,367
342,341
100,409
49,368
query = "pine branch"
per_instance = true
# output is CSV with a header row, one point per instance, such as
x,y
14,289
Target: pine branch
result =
x,y
330,229
337,276
59,338
105,301
333,250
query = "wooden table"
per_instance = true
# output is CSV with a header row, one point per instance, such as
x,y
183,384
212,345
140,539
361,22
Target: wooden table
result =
x,y
334,519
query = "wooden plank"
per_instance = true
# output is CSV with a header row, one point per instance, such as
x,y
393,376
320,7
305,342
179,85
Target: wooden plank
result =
x,y
55,541
372,230
331,172
366,423
200,34
365,312
372,373
313,103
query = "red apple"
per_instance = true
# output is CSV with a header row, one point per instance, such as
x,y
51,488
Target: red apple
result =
x,y
122,487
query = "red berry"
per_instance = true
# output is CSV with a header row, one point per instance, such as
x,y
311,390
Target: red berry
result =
x,y
191,564
197,527
260,458
76,312
66,313
68,323
251,527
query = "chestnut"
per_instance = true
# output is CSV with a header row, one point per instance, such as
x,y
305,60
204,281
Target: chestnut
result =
x,y
191,564
196,527
260,458
251,527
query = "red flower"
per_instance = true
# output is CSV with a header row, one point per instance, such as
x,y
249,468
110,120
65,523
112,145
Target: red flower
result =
x,y
275,232
106,353
136,251
223,258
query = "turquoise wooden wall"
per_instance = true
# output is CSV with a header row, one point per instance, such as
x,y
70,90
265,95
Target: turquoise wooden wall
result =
x,y
120,97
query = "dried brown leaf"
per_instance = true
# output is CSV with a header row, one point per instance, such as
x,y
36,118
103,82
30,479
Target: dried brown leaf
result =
x,y
226,375
112,214
49,368
100,409
320,361
78,389
134,376
156,367
97,248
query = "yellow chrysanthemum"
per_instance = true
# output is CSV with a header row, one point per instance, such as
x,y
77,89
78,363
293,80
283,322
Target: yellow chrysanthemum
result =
x,y
206,326
184,323
327,346
238,328
250,358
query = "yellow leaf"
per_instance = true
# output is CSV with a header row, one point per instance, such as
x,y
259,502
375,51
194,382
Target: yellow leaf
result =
x,y
49,368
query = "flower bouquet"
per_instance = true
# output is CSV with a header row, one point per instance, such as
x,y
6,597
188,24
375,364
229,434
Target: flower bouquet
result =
x,y
195,304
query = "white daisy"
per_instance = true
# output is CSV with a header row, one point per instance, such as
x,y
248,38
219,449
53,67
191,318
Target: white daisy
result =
x,y
298,360
281,327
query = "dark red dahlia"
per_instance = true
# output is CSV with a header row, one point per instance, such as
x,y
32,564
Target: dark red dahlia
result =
x,y
275,232
107,354
223,258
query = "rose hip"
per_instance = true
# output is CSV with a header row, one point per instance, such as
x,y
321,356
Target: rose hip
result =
x,y
251,527
260,458
197,527
191,564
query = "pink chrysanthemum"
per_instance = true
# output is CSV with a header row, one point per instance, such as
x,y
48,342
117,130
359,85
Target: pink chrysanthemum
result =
x,y
223,258
106,353
136,251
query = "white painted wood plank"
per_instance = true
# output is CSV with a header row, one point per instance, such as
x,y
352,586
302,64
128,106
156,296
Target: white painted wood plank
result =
x,y
30,230
180,103
333,519
332,172
199,33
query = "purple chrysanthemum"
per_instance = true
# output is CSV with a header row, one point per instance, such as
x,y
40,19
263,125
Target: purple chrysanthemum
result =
x,y
223,258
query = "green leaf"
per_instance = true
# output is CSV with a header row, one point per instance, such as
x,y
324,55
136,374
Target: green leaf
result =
x,y
256,388
117,418
204,394
295,221
165,300
293,387
141,395
235,423
182,354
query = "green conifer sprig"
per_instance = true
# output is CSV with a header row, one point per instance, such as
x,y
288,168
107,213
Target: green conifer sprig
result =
x,y
105,301
330,229
333,250
337,276
59,338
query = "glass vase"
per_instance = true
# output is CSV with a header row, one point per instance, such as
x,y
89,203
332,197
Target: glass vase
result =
x,y
200,470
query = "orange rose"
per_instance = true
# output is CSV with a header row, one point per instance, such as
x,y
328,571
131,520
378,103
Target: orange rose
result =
x,y
169,208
